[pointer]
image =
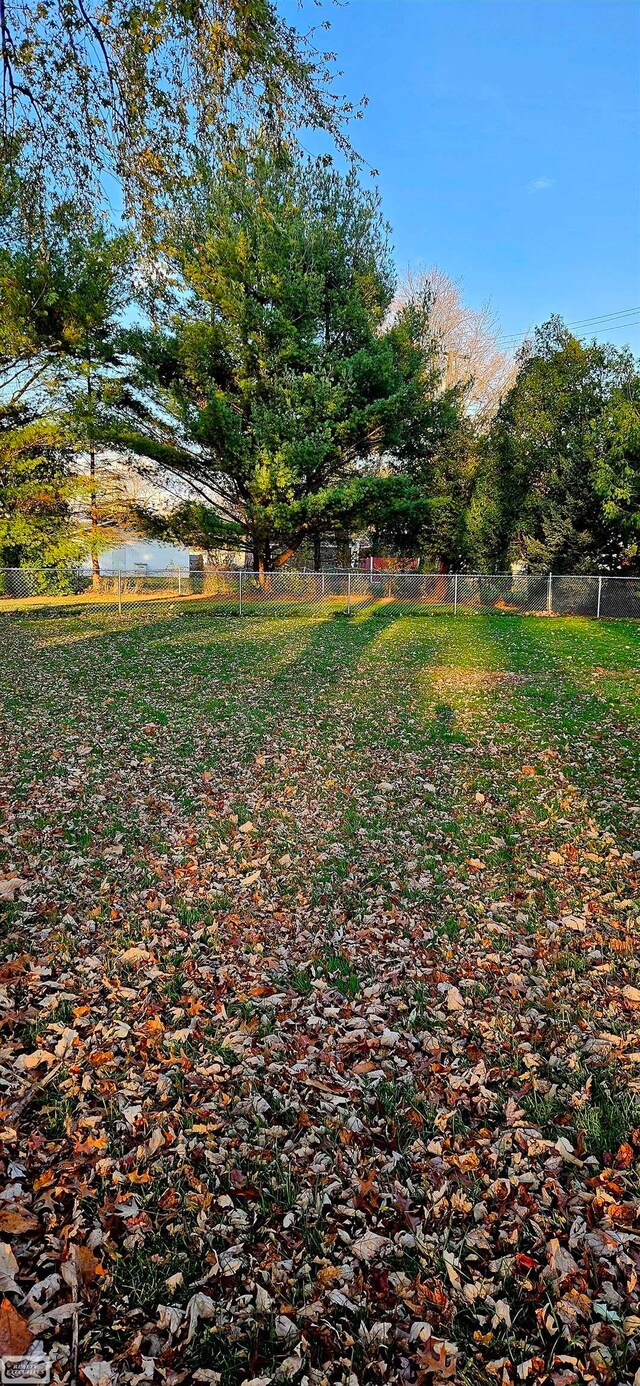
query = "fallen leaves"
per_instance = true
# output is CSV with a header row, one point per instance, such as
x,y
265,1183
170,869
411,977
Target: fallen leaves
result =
x,y
81,1268
97,1372
561,1262
200,1306
131,957
369,1246
340,1071
15,1337
438,1359
11,886
26,1063
15,1218
8,1270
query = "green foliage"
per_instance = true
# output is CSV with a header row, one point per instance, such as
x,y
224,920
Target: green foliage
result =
x,y
449,483
559,486
392,507
438,466
191,523
615,467
63,285
276,378
61,282
143,92
37,490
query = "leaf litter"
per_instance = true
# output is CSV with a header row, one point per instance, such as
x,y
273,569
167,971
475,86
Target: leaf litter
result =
x,y
320,1056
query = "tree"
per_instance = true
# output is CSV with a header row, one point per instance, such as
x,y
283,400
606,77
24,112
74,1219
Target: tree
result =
x,y
614,452
64,284
392,508
559,484
467,375
33,293
95,264
275,367
465,340
141,92
38,490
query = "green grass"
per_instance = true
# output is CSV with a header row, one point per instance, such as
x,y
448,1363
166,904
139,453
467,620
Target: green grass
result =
x,y
192,695
382,874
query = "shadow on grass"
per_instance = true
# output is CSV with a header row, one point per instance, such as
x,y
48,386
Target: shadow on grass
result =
x,y
593,728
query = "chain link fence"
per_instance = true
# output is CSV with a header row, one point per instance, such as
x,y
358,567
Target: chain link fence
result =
x,y
240,592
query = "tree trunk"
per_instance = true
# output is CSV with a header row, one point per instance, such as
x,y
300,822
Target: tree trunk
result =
x,y
93,494
93,504
317,554
260,568
442,586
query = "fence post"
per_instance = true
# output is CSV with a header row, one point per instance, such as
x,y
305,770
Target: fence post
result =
x,y
322,576
119,591
240,593
455,594
348,594
599,597
179,582
549,594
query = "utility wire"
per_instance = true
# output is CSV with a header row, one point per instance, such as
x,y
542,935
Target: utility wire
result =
x,y
580,322
581,329
585,322
610,322
616,327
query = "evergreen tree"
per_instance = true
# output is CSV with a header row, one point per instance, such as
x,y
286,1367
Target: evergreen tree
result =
x,y
276,376
38,491
63,284
96,288
559,483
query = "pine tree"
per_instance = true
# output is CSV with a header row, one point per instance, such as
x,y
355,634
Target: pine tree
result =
x,y
276,377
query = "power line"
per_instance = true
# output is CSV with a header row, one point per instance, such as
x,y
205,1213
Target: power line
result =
x,y
585,322
617,327
581,329
610,322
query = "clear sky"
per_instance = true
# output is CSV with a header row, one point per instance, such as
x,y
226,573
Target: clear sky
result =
x,y
506,135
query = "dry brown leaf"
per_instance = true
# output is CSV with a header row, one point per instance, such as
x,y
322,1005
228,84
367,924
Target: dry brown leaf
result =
x,y
15,1337
15,1218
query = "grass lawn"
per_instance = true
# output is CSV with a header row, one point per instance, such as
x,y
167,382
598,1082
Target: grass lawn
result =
x,y
319,978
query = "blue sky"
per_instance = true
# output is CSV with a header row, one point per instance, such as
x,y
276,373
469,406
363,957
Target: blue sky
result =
x,y
506,135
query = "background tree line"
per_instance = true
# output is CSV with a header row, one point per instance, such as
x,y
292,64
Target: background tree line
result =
x,y
240,339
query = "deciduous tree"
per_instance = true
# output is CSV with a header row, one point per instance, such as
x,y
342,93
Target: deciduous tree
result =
x,y
466,341
141,92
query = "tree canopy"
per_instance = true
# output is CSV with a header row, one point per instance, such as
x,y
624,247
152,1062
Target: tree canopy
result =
x,y
38,490
64,284
276,375
142,93
264,366
559,487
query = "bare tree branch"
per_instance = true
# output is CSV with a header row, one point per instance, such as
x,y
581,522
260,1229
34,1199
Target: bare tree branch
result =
x,y
465,339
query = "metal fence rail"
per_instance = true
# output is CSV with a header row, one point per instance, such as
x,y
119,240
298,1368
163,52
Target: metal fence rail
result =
x,y
240,592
